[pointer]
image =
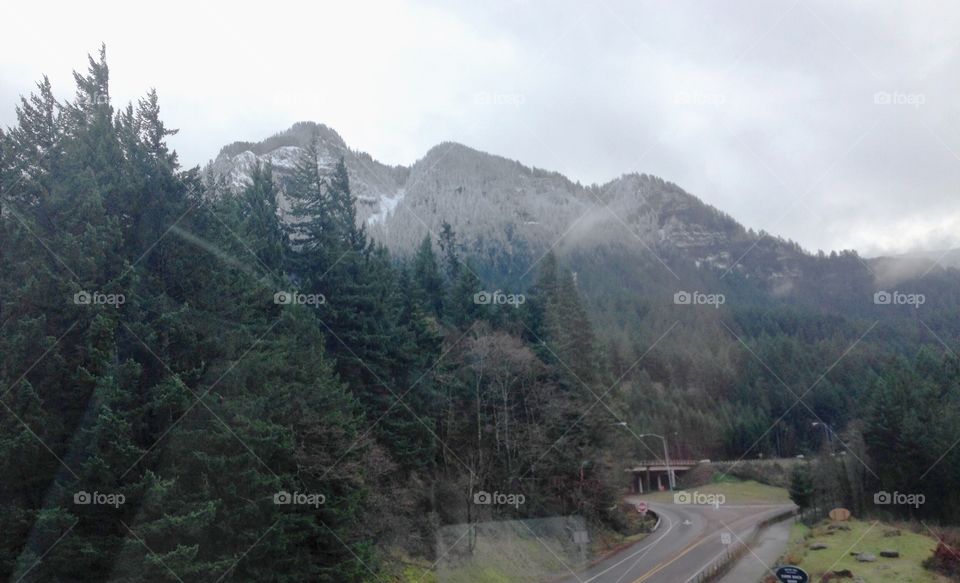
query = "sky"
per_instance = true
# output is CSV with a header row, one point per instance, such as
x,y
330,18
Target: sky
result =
x,y
832,123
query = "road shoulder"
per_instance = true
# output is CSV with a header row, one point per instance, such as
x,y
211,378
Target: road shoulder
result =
x,y
770,545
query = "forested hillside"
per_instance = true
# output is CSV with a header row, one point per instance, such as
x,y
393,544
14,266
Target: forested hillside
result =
x,y
196,386
181,359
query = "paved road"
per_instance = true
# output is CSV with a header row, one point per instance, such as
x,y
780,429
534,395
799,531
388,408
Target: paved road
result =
x,y
756,564
688,540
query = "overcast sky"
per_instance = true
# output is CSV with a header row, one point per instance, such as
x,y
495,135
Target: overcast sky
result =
x,y
836,124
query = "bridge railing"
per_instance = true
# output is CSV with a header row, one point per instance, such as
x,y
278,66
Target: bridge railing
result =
x,y
661,462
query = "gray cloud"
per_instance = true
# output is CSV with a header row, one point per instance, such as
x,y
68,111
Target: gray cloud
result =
x,y
767,110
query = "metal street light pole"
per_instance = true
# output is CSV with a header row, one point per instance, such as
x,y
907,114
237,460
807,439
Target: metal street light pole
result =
x,y
671,477
666,456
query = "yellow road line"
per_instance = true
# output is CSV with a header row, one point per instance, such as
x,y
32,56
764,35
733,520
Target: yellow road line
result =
x,y
663,565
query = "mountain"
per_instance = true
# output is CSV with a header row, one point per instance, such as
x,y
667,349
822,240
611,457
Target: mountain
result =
x,y
632,242
896,268
507,215
377,187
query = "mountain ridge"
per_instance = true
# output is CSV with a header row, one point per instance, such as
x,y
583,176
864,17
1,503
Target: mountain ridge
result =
x,y
463,184
507,215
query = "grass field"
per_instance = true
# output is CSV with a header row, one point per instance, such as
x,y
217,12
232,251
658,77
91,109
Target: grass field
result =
x,y
527,551
863,536
735,491
510,559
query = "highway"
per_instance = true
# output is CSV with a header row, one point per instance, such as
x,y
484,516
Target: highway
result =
x,y
688,540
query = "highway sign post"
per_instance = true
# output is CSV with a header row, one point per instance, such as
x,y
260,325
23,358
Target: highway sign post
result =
x,y
642,508
790,574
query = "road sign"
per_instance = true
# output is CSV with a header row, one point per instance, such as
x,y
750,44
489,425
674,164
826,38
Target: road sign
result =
x,y
790,574
642,507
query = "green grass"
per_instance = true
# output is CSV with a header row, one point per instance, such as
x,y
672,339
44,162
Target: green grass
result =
x,y
509,553
507,560
724,479
735,491
864,536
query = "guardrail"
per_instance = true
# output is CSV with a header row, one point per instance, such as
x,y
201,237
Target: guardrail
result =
x,y
656,525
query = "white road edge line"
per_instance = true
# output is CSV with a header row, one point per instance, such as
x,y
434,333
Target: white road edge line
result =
x,y
638,551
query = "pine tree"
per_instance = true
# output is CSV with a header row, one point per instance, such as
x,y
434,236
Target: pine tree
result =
x,y
343,209
259,219
462,307
450,250
801,486
427,279
557,317
541,295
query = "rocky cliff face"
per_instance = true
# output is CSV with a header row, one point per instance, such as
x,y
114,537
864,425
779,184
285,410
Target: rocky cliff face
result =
x,y
377,187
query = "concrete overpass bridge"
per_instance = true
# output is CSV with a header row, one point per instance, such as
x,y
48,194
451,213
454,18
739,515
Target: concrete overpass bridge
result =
x,y
652,475
655,474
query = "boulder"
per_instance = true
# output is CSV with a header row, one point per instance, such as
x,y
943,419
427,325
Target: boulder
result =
x,y
890,554
866,558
